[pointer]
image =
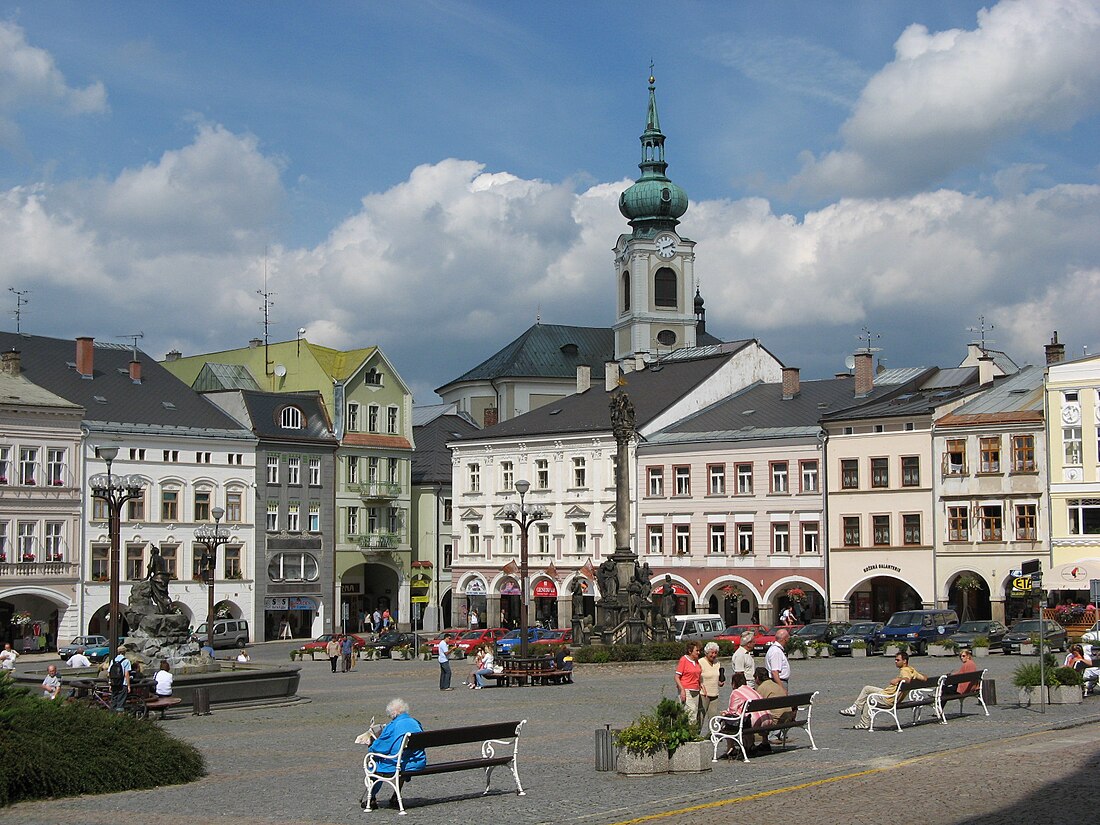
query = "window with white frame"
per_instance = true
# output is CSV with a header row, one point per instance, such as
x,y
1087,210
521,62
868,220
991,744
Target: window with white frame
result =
x,y
580,537
290,418
507,476
716,473
169,505
135,508
272,520
55,467
100,562
958,523
744,479
393,465
781,538
373,520
314,517
682,476
394,519
683,539
744,539
353,417
780,470
294,470
372,418
1027,517
293,567
3,541
656,539
234,507
202,505
507,539
808,471
473,539
202,458
351,464
372,469
718,539
231,561
1084,516
542,474
1071,443
391,420
473,477
28,466
655,481
352,521
135,562
542,534
55,541
273,469
810,542
315,472
5,464
25,541
100,511
293,517
372,377
171,456
580,472
170,554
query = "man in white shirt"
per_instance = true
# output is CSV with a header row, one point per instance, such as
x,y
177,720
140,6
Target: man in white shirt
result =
x,y
78,659
51,685
742,658
8,657
776,659
444,665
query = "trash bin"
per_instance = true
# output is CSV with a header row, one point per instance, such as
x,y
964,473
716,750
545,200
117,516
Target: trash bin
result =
x,y
989,691
200,701
605,749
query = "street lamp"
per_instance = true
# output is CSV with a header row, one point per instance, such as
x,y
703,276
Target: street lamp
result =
x,y
524,518
114,491
211,537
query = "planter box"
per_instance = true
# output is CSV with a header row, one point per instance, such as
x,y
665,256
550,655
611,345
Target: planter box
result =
x,y
979,652
630,764
891,649
397,654
1030,696
1027,650
825,653
797,654
940,650
1066,695
691,757
859,652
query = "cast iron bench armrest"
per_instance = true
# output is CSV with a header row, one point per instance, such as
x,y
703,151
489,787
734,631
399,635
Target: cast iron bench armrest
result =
x,y
883,702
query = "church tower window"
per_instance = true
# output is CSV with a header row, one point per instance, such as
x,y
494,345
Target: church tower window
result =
x,y
664,288
626,292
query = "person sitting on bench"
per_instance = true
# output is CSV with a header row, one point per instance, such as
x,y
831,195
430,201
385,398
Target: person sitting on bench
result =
x,y
862,708
388,743
967,666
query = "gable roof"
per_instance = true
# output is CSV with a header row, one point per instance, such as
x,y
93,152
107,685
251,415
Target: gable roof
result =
x,y
1017,398
431,461
110,397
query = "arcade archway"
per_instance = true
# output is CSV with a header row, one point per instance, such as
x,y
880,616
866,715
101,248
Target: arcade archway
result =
x,y
878,598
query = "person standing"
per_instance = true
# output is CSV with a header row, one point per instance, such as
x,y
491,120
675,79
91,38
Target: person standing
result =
x,y
713,679
8,657
473,620
51,685
444,665
376,621
347,647
742,658
119,676
689,681
775,659
78,659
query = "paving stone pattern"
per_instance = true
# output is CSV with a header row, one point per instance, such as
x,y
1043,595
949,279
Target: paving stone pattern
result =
x,y
299,763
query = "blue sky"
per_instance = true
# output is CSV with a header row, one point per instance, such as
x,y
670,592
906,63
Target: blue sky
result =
x,y
430,176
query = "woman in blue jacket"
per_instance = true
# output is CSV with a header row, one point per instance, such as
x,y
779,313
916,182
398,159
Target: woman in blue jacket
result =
x,y
388,743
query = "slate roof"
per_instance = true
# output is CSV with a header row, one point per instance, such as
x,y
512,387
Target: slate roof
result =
x,y
652,391
933,389
18,390
160,401
427,413
265,408
431,462
1016,398
760,411
544,351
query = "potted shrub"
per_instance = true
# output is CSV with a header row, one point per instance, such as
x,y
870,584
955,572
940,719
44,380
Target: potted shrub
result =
x,y
893,648
796,648
820,649
641,748
943,647
426,652
400,651
859,649
1027,679
686,753
980,646
1068,688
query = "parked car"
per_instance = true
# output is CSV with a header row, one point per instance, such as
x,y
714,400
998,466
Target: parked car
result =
x,y
319,644
509,642
917,628
821,631
862,631
450,634
698,626
227,633
475,638
95,648
1092,635
1021,632
762,640
386,642
968,631
734,631
562,636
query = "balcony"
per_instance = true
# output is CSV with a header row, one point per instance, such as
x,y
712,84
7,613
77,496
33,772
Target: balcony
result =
x,y
38,570
376,541
376,490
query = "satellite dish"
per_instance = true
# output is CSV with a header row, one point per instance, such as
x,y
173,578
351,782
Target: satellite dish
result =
x,y
850,362
280,370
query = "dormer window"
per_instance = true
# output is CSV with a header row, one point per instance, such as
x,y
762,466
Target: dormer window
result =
x,y
290,418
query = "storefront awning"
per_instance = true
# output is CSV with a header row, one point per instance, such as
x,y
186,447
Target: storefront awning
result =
x,y
1072,576
545,589
678,589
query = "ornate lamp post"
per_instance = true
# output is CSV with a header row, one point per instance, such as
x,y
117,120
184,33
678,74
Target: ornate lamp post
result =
x,y
211,537
524,517
114,491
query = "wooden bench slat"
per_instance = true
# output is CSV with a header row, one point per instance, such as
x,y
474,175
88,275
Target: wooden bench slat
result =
x,y
461,736
458,765
734,728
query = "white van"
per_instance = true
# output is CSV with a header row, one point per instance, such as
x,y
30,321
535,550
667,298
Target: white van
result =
x,y
701,626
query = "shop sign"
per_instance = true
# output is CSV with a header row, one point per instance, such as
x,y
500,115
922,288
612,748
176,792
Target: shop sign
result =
x,y
476,587
545,590
420,580
509,588
891,567
677,589
275,603
300,603
349,588
419,599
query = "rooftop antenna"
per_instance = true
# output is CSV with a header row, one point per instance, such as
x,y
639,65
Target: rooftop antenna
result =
x,y
136,336
20,302
301,332
266,309
538,314
869,336
982,329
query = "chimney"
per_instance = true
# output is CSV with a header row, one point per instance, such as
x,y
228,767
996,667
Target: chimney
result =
x,y
490,417
174,355
135,371
1056,353
610,375
84,357
584,378
985,370
9,363
790,382
254,343
865,374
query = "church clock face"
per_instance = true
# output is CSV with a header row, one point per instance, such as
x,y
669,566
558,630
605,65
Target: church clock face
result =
x,y
666,246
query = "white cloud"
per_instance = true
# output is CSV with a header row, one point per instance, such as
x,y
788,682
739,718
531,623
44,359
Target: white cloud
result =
x,y
29,77
949,96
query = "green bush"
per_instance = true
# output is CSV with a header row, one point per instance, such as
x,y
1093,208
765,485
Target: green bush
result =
x,y
667,727
674,721
56,749
1068,676
643,737
653,652
1027,675
796,643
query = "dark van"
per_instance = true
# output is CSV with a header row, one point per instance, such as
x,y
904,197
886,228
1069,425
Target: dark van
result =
x,y
918,628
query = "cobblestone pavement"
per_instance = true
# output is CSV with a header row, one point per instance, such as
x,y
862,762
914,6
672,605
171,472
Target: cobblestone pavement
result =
x,y
299,763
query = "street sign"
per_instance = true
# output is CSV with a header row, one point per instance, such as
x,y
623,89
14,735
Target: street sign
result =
x,y
1021,583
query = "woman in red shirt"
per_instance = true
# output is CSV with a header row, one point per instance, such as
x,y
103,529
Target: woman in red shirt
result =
x,y
689,676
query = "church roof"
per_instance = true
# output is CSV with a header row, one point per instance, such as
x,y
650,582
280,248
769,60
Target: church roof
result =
x,y
546,351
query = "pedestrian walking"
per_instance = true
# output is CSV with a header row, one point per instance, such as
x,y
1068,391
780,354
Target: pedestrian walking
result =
x,y
347,647
473,620
332,650
713,678
376,621
775,659
688,681
118,675
444,665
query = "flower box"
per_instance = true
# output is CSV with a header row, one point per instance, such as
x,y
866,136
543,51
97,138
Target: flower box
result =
x,y
797,654
859,652
1066,695
940,650
691,757
1027,649
979,652
634,764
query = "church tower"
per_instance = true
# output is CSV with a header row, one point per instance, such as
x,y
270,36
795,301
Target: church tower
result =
x,y
654,265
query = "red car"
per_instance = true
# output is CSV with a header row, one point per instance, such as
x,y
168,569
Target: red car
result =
x,y
762,640
318,645
476,638
450,634
734,631
555,637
